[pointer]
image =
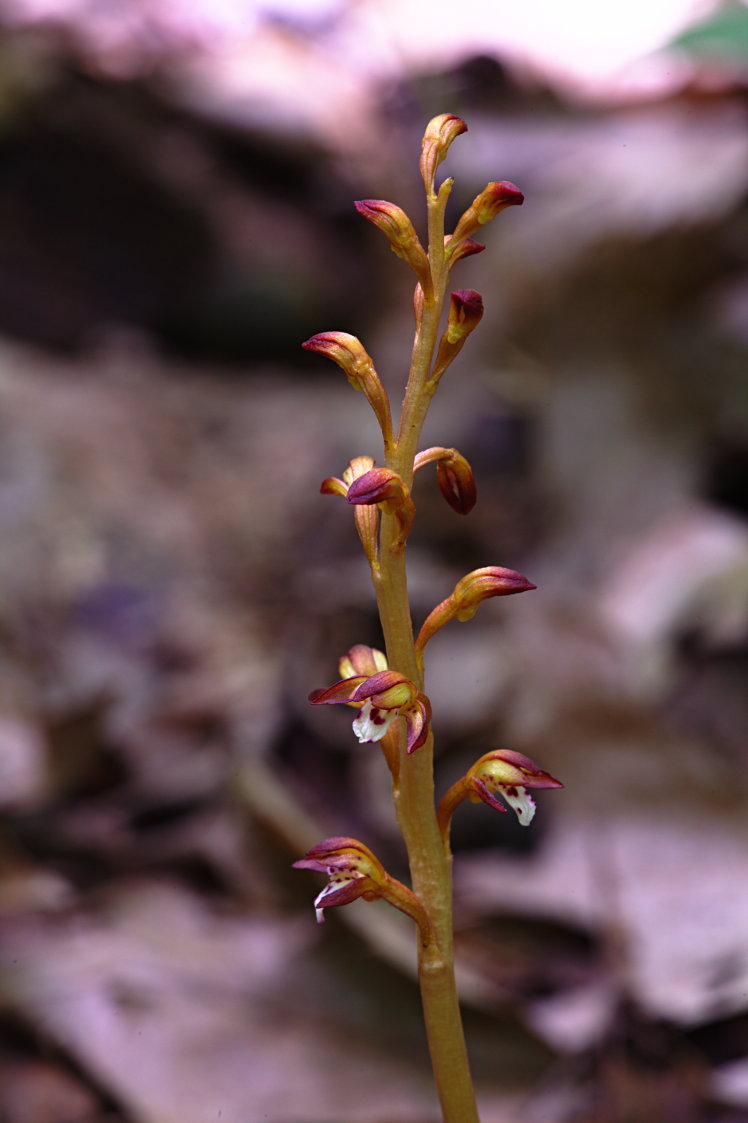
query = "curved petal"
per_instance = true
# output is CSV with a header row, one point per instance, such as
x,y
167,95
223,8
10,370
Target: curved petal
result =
x,y
417,722
485,795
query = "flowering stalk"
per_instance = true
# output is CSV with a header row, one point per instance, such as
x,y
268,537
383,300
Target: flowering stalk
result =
x,y
387,690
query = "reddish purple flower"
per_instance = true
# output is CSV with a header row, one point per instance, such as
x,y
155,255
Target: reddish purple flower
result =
x,y
353,870
508,774
381,697
503,773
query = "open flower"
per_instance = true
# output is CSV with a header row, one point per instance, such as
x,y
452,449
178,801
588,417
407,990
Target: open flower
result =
x,y
381,696
353,871
509,774
503,773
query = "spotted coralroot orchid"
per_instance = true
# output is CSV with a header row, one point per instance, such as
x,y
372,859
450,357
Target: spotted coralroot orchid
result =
x,y
382,696
504,773
388,690
354,871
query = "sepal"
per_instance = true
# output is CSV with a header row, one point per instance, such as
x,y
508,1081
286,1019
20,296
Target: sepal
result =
x,y
489,581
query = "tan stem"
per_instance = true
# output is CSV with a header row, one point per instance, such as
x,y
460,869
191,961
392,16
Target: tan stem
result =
x,y
430,862
449,801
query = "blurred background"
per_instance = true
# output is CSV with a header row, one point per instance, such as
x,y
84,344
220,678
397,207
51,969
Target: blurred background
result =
x,y
176,189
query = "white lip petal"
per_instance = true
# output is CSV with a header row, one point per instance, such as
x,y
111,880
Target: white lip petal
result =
x,y
521,802
371,724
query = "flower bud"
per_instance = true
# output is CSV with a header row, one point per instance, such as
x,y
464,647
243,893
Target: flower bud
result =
x,y
454,476
366,518
495,197
345,350
457,483
464,248
465,313
353,358
382,485
491,581
440,132
397,227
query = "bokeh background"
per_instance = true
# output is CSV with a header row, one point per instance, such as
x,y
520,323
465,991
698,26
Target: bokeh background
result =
x,y
176,187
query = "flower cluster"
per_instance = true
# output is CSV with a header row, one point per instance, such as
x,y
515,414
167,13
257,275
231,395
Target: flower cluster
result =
x,y
391,706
